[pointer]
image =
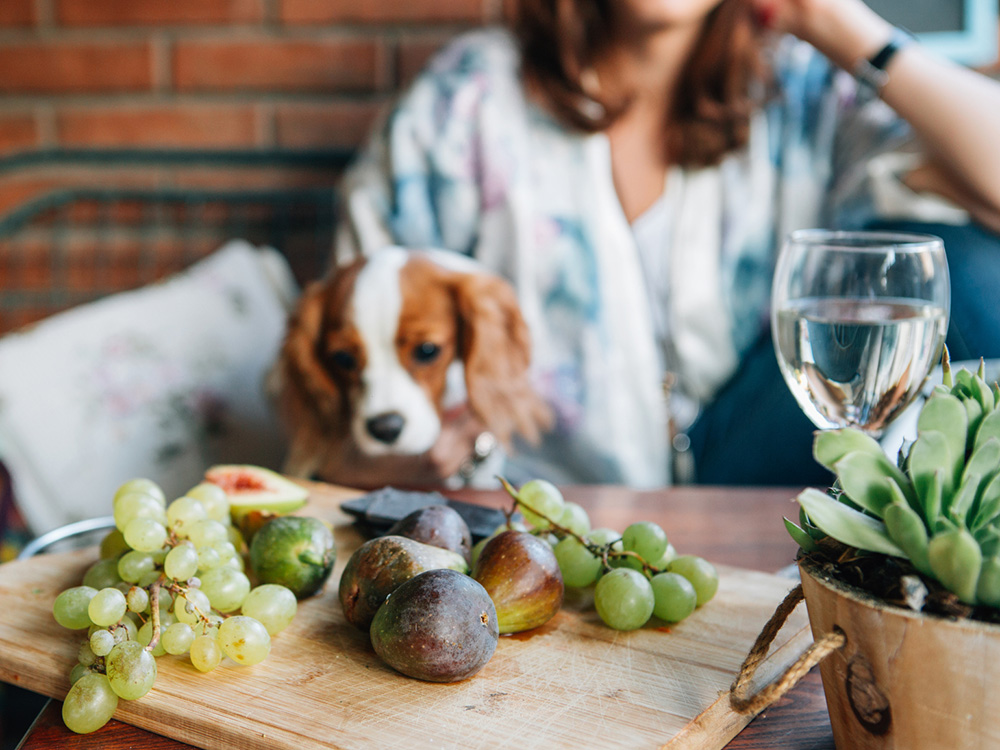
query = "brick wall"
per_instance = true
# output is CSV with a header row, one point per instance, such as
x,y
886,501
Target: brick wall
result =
x,y
211,73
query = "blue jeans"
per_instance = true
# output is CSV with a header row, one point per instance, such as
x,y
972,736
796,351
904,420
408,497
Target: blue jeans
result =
x,y
754,433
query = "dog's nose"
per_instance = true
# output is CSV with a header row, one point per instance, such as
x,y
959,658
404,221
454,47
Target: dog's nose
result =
x,y
386,427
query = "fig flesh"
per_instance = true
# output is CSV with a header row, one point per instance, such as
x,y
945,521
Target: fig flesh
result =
x,y
439,626
255,488
379,566
438,526
522,576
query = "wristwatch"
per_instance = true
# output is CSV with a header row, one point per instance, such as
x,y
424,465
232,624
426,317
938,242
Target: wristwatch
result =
x,y
872,71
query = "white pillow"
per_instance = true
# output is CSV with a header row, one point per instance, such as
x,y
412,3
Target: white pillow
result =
x,y
160,382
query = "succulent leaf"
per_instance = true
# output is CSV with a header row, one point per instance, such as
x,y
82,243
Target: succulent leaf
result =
x,y
846,525
863,477
906,528
956,561
801,537
989,427
930,470
830,446
964,498
988,539
988,586
989,503
975,415
982,392
946,415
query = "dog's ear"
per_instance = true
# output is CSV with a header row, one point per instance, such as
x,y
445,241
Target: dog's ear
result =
x,y
496,350
309,402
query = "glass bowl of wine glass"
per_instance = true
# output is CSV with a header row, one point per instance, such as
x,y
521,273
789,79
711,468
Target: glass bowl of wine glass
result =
x,y
859,321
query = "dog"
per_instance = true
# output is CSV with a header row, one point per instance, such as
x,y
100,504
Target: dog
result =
x,y
376,354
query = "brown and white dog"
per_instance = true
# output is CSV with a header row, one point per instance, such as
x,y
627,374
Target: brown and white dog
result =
x,y
376,353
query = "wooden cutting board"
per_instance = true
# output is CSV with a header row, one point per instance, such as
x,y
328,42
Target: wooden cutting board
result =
x,y
571,683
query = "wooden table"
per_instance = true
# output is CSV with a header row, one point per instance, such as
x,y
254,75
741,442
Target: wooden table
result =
x,y
734,526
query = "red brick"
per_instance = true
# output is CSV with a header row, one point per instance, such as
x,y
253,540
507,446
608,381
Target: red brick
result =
x,y
17,132
380,11
159,12
17,13
176,125
413,56
325,125
285,65
73,67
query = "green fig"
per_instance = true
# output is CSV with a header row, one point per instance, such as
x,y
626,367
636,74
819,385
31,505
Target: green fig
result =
x,y
294,551
380,565
522,576
439,626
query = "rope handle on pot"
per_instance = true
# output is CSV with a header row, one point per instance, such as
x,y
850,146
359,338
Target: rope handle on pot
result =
x,y
819,650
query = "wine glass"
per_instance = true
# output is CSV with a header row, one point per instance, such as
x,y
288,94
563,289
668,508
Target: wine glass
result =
x,y
858,321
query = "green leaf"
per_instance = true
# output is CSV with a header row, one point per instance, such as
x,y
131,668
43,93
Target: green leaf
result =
x,y
956,561
801,537
989,427
975,414
863,478
946,415
988,586
989,541
906,528
983,463
830,446
964,498
982,391
989,503
929,466
847,526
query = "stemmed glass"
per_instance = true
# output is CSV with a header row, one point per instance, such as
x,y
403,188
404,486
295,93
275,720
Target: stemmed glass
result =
x,y
858,321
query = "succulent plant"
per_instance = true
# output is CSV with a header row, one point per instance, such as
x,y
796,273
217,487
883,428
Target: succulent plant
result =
x,y
937,506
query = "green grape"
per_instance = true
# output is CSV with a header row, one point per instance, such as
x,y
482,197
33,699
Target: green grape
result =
x,y
646,539
624,599
575,518
700,572
244,640
147,579
137,599
145,534
675,596
126,630
209,625
78,671
602,538
145,634
272,605
131,670
144,486
131,507
477,549
101,642
113,545
181,562
208,558
102,574
177,638
71,607
235,537
668,556
225,587
133,565
544,499
578,565
205,653
85,655
214,499
206,533
183,513
107,607
189,605
89,704
226,550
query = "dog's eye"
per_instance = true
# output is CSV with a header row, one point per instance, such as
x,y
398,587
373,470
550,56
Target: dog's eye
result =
x,y
342,360
426,352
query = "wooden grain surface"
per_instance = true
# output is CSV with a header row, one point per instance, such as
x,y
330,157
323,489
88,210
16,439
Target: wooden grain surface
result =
x,y
573,682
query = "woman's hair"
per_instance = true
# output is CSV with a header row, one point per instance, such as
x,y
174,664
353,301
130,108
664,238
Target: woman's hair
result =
x,y
561,40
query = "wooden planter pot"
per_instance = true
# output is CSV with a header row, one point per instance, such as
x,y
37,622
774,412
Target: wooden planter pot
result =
x,y
904,680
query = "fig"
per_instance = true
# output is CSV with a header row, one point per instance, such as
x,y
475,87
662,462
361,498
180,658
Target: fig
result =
x,y
297,552
439,526
440,626
522,576
256,488
380,565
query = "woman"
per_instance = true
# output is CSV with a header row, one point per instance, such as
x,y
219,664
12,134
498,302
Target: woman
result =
x,y
631,166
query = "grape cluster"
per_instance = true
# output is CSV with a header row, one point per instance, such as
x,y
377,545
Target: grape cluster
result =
x,y
638,573
170,581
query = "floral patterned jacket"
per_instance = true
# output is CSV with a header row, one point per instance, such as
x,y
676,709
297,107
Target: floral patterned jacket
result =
x,y
464,161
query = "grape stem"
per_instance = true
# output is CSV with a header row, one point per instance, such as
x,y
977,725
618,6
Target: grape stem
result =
x,y
603,551
154,609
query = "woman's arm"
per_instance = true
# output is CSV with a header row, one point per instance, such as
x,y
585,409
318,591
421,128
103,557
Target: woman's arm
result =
x,y
954,111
